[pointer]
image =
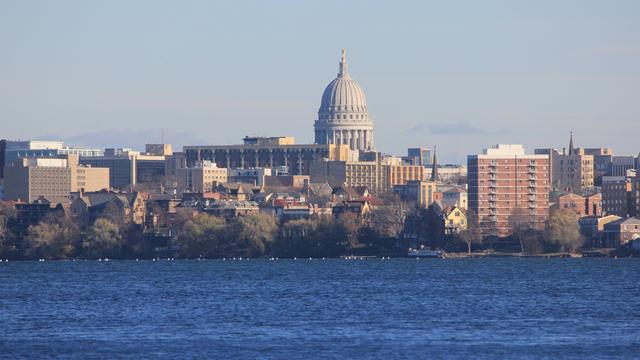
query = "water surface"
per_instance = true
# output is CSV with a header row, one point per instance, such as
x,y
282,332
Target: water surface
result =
x,y
457,308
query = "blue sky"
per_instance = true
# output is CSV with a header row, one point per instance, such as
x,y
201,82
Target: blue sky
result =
x,y
457,74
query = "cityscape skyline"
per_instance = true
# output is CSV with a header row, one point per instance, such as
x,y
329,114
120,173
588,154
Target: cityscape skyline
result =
x,y
72,76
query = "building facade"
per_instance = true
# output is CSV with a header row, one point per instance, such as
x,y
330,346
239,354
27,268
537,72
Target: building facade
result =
x,y
203,177
53,179
343,117
420,192
267,153
507,187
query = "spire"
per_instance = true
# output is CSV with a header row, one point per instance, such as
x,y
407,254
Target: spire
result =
x,y
571,143
434,166
344,72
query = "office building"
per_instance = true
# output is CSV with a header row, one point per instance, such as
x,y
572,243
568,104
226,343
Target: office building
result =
x,y
263,152
204,176
54,179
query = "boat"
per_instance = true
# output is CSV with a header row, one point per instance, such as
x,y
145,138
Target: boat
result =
x,y
426,253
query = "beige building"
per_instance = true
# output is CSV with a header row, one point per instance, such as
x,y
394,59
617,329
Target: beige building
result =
x,y
422,192
202,177
572,173
508,188
378,174
53,179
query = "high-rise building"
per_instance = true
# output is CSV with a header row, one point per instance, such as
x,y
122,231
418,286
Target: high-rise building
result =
x,y
54,179
508,188
343,117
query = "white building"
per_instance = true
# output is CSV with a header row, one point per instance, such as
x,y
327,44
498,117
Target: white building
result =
x,y
343,117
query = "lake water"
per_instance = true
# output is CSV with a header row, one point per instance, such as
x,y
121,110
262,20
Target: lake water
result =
x,y
401,308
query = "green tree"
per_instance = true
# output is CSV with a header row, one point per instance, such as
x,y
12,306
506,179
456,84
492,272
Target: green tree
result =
x,y
103,239
202,236
562,229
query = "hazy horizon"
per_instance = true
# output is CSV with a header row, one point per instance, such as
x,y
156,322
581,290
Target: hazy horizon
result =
x,y
457,75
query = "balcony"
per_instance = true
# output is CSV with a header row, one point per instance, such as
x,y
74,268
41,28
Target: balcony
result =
x,y
533,191
493,177
493,170
532,205
493,205
532,170
532,184
493,191
533,178
532,198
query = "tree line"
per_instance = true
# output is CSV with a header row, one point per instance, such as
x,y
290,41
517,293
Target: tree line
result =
x,y
388,229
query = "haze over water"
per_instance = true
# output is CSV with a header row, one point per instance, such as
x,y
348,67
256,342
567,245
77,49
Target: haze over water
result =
x,y
462,308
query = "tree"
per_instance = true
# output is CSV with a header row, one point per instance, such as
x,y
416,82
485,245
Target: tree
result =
x,y
7,213
389,220
252,235
103,239
350,224
471,234
562,229
48,240
202,236
520,223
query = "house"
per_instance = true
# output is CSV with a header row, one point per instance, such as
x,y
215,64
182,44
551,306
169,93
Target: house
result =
x,y
592,228
120,206
350,192
230,209
455,219
581,205
27,214
618,233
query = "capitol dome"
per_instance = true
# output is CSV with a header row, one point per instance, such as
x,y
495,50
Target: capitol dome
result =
x,y
343,117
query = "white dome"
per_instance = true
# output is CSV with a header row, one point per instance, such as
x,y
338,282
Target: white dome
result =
x,y
343,94
343,117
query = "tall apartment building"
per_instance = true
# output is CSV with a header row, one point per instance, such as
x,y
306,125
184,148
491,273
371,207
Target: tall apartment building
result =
x,y
202,177
54,179
508,188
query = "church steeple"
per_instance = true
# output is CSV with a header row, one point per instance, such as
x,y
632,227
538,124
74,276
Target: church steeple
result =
x,y
434,166
571,151
344,69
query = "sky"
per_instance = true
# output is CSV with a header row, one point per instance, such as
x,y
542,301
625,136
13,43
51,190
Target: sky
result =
x,y
461,75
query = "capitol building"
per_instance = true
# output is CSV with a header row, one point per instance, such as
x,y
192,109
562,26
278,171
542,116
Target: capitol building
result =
x,y
343,118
